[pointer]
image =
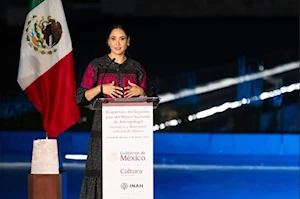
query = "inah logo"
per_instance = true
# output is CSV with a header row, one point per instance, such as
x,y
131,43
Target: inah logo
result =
x,y
124,186
136,185
43,34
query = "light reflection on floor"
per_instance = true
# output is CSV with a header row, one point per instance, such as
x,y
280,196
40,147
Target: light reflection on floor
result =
x,y
178,181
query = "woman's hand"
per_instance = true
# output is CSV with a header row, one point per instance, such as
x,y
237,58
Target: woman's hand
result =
x,y
133,90
111,90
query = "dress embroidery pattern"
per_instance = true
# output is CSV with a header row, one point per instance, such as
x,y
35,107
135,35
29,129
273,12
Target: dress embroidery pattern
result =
x,y
108,78
88,77
143,83
131,77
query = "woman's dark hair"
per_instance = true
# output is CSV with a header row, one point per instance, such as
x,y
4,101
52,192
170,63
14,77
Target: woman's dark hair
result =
x,y
117,26
126,32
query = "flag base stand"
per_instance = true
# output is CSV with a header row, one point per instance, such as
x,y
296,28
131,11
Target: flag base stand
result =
x,y
45,186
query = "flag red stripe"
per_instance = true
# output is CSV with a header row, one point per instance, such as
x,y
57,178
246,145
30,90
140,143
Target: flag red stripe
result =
x,y
53,95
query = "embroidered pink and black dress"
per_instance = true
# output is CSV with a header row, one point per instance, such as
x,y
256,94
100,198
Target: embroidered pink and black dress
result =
x,y
93,76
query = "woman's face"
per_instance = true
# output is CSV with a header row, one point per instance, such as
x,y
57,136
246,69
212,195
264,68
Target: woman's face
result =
x,y
118,41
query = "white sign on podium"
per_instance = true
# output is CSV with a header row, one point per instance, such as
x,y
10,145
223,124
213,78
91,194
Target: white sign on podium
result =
x,y
127,149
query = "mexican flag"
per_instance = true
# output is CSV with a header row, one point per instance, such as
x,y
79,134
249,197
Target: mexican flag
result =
x,y
46,69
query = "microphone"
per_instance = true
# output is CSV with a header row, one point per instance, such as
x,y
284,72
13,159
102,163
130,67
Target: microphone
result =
x,y
101,90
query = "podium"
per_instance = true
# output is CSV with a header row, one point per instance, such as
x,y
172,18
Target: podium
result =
x,y
127,147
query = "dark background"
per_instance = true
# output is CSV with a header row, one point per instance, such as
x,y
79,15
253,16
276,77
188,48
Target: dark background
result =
x,y
176,41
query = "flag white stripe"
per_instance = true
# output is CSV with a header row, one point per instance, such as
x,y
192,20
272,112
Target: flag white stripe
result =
x,y
33,64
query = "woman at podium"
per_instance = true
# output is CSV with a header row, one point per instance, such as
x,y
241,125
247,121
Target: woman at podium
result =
x,y
113,75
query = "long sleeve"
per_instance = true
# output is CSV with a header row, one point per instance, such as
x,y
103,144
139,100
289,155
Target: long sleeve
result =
x,y
145,83
89,81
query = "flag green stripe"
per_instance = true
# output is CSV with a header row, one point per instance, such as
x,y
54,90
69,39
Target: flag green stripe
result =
x,y
34,3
